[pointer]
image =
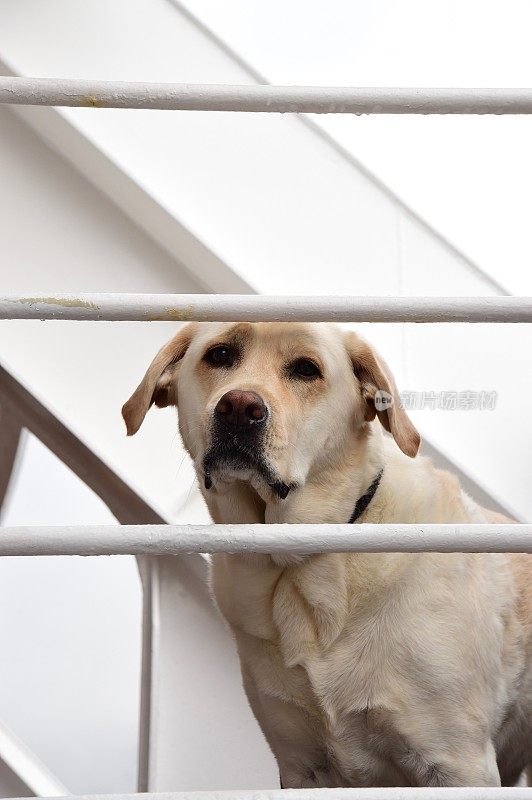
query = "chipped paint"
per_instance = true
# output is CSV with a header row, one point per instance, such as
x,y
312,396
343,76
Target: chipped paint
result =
x,y
237,308
179,315
92,101
64,302
171,314
92,540
260,98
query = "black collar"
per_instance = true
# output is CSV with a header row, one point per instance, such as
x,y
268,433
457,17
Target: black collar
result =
x,y
364,501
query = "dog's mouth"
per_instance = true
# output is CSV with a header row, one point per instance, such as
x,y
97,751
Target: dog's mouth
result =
x,y
239,458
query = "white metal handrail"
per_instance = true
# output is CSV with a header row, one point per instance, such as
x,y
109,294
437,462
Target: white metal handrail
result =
x,y
169,540
262,98
389,793
237,308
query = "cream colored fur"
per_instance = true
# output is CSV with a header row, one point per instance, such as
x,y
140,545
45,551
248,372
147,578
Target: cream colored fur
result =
x,y
362,669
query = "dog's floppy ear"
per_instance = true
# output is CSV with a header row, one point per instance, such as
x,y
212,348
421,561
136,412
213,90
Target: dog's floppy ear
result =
x,y
381,395
157,386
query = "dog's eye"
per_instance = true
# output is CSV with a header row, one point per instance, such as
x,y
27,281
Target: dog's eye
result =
x,y
305,368
220,356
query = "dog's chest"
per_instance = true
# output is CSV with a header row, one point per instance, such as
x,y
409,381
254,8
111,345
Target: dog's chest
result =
x,y
349,686
303,640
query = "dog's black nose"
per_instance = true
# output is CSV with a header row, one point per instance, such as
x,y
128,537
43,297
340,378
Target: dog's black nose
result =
x,y
240,410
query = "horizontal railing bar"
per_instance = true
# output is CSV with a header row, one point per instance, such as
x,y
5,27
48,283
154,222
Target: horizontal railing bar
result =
x,y
390,793
238,308
262,98
93,540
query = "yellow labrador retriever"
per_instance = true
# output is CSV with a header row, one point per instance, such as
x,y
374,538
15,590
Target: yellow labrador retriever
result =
x,y
362,669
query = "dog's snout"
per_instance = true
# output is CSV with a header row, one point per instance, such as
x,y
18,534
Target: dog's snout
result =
x,y
240,409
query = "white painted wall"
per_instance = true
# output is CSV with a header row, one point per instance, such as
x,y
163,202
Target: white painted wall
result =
x,y
469,177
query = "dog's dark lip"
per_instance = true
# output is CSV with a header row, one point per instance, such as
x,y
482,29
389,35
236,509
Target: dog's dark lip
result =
x,y
282,489
238,453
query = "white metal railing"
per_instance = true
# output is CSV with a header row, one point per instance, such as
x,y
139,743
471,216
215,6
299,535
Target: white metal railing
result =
x,y
399,793
238,308
261,98
158,539
171,540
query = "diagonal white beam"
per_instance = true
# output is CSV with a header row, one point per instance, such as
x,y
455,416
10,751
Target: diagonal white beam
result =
x,y
10,438
170,540
29,772
236,308
261,98
25,410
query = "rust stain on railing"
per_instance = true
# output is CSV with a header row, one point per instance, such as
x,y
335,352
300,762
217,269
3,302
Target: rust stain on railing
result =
x,y
93,102
170,314
64,302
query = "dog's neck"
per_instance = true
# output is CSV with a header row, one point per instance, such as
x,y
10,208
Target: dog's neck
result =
x,y
329,494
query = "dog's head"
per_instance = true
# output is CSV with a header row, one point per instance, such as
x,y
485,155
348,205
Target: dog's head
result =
x,y
268,402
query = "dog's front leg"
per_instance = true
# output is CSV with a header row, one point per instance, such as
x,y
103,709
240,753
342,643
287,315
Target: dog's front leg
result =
x,y
294,776
469,766
294,737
